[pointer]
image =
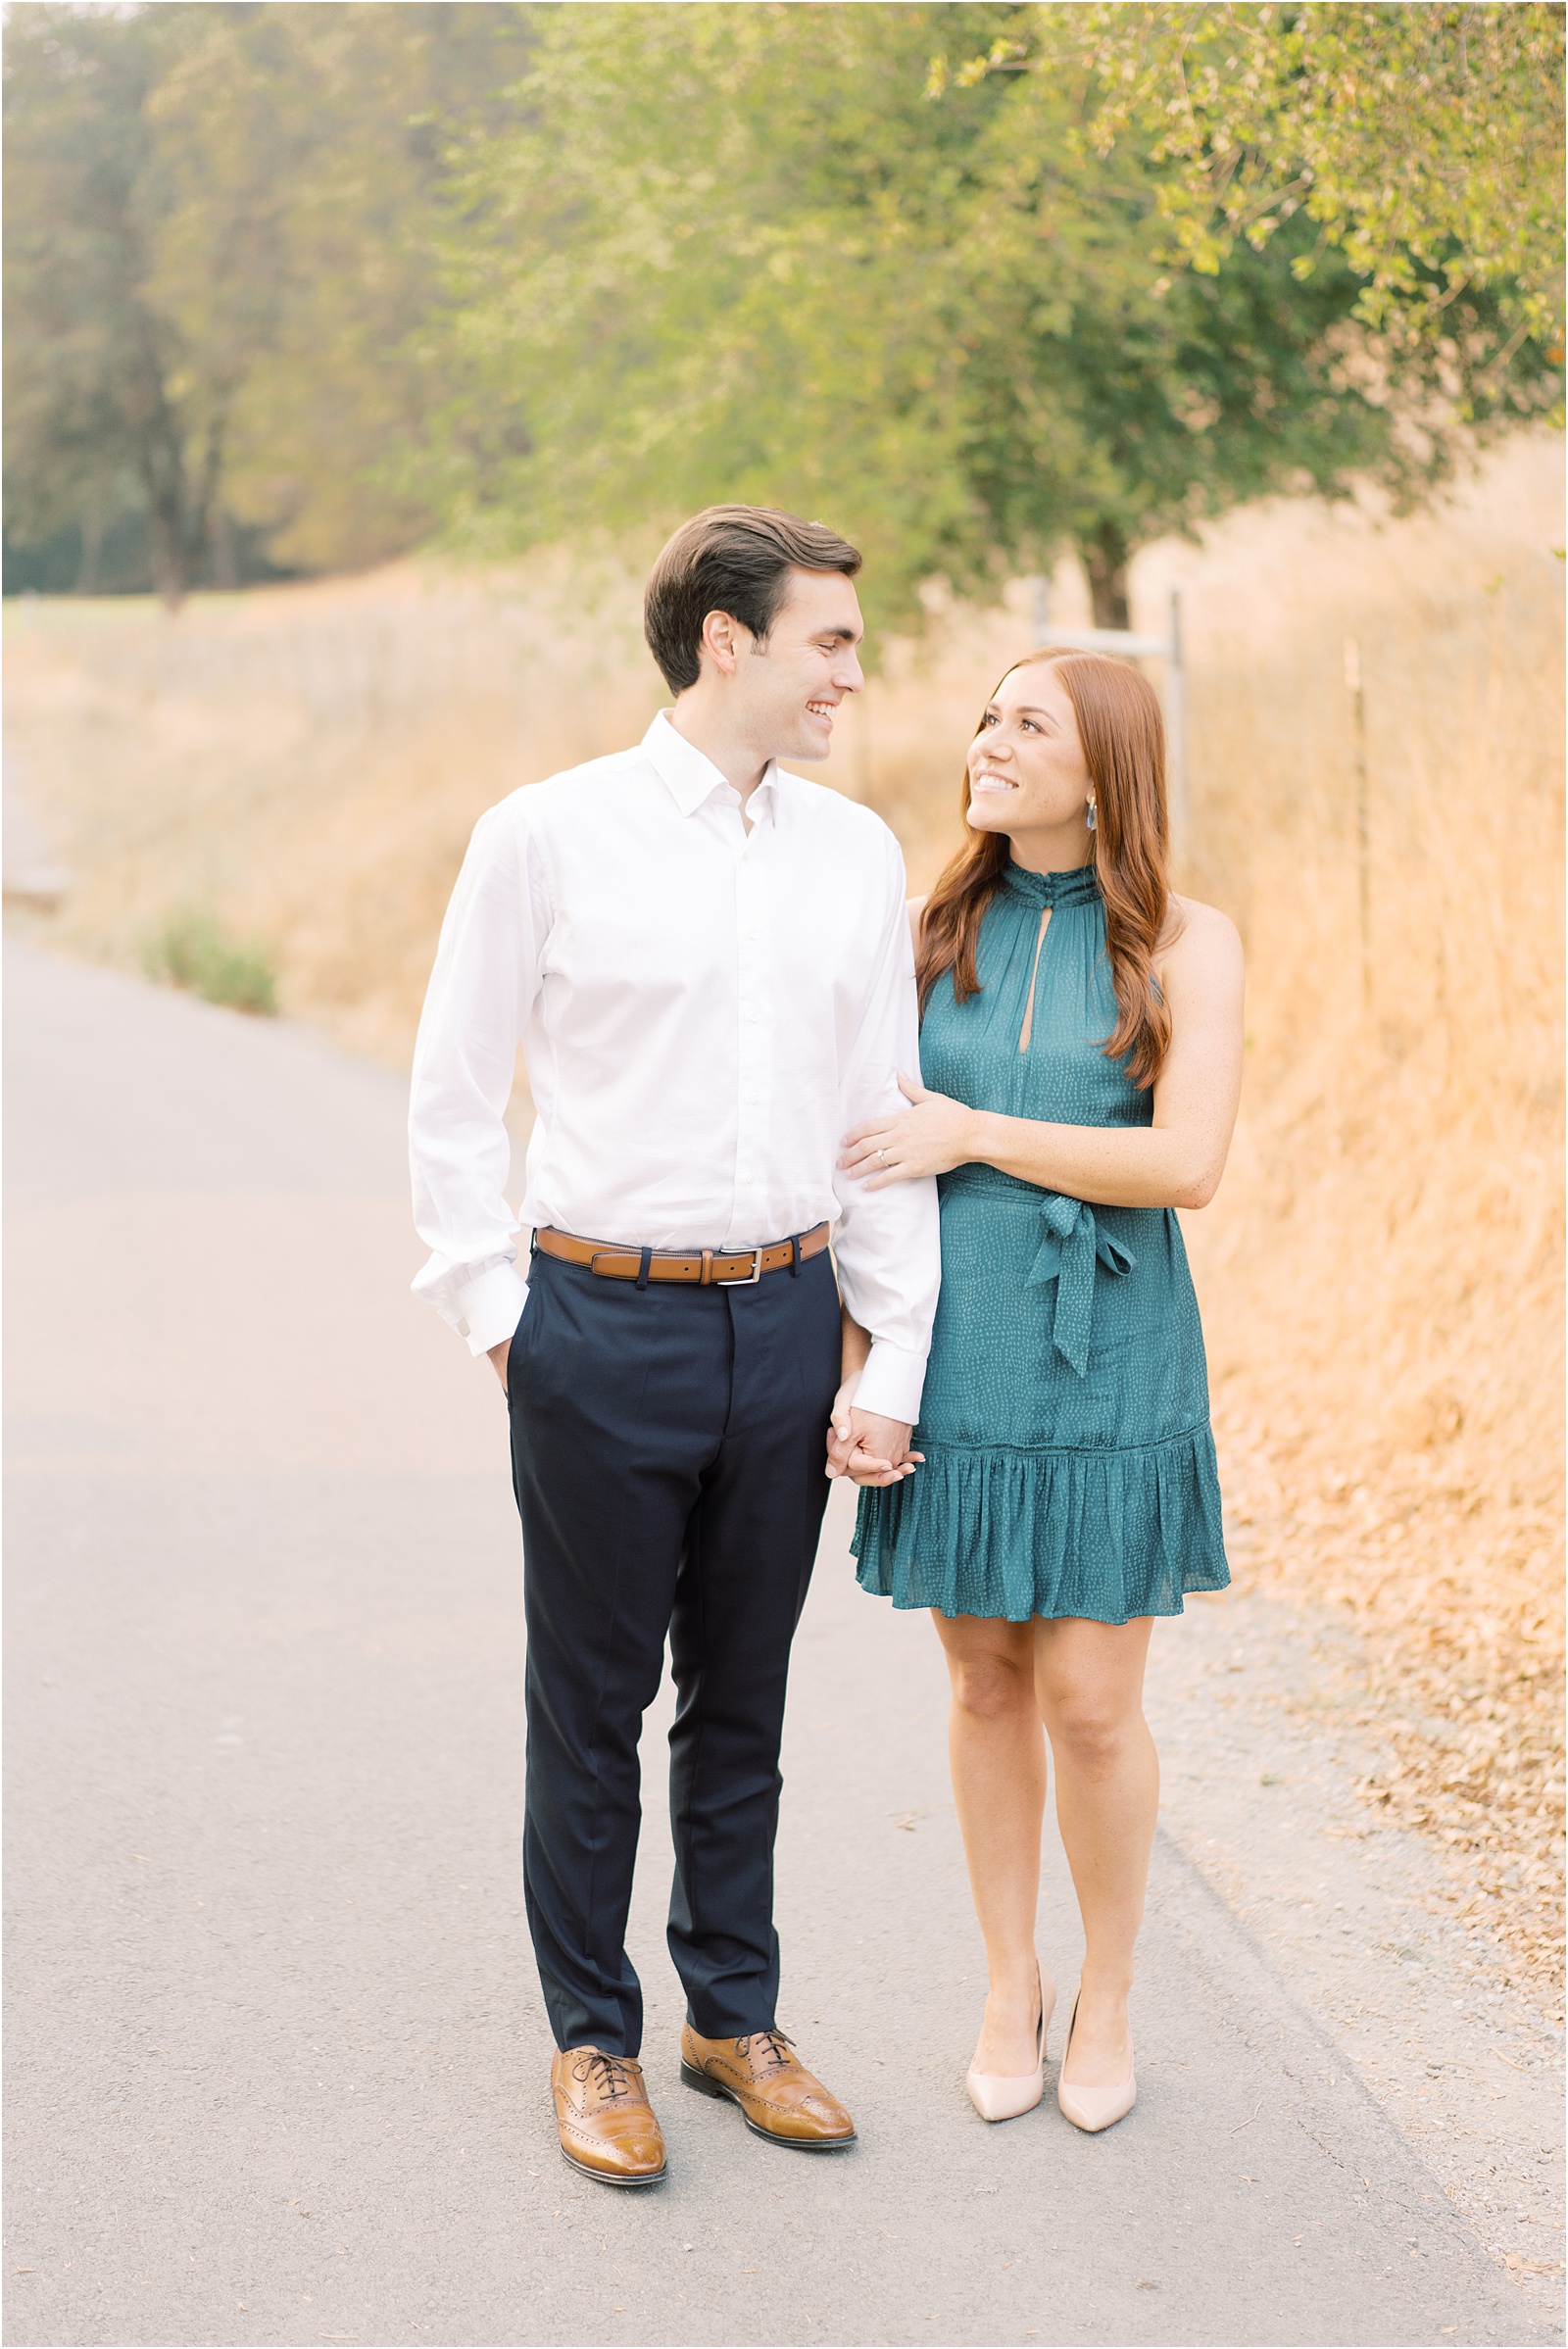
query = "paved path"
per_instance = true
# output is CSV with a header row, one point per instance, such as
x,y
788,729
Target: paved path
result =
x,y
277,2054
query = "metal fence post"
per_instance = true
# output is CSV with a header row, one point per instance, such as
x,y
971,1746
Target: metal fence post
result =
x,y
1176,728
1363,815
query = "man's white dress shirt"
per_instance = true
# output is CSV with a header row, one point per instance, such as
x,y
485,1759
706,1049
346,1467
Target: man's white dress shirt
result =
x,y
705,1009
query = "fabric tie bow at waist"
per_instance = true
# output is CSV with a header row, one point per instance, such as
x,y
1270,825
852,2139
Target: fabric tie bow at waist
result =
x,y
1072,1245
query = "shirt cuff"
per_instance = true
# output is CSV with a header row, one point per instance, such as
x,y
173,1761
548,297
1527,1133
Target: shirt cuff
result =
x,y
491,1306
891,1383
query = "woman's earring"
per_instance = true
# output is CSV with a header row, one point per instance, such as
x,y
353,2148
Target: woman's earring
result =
x,y
1088,817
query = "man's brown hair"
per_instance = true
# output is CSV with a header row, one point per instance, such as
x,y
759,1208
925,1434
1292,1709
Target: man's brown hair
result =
x,y
734,559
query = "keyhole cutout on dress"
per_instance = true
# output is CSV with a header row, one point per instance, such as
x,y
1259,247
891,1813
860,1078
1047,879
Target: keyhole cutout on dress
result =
x,y
1034,975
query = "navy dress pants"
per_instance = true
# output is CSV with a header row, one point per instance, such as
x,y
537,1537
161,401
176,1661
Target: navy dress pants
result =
x,y
667,1448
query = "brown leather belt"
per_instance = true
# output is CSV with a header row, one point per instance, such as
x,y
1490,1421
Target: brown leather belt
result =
x,y
707,1267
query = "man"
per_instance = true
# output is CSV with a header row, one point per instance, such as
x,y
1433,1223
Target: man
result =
x,y
708,964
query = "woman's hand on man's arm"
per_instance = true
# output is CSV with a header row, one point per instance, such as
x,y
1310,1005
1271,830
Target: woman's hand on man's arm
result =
x,y
1178,1159
931,1136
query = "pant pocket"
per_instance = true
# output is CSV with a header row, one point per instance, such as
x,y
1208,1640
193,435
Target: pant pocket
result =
x,y
515,1349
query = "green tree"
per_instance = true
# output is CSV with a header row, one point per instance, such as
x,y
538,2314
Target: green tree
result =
x,y
711,257
1123,396
751,253
303,152
1422,142
218,256
89,363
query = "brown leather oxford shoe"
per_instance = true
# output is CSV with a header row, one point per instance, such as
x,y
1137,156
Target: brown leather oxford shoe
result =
x,y
765,2078
607,2130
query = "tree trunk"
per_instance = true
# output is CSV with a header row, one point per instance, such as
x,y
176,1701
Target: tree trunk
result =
x,y
154,430
92,539
205,509
166,521
162,466
225,567
179,509
1105,556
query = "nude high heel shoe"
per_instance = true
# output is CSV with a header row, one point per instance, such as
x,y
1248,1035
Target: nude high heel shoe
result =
x,y
997,2097
1094,2109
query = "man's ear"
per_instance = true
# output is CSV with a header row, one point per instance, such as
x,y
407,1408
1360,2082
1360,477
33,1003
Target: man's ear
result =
x,y
724,640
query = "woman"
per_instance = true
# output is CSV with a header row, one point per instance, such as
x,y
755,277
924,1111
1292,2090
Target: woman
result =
x,y
1081,1040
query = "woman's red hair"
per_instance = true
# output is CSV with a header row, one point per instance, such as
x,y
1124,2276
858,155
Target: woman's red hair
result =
x,y
1123,738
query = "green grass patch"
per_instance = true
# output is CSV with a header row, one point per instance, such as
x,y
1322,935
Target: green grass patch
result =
x,y
193,950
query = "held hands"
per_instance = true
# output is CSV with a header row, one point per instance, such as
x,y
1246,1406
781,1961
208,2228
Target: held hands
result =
x,y
926,1139
930,1138
865,1448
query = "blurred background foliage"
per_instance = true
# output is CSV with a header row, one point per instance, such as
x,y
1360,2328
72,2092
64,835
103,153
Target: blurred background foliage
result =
x,y
222,264
296,288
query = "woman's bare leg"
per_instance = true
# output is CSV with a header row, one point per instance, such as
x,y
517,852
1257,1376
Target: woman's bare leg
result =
x,y
1090,1678
998,1757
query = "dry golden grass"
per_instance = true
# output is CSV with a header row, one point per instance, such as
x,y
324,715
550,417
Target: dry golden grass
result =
x,y
307,762
1380,1273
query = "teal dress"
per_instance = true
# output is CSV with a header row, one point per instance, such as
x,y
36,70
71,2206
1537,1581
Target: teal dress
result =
x,y
1070,1467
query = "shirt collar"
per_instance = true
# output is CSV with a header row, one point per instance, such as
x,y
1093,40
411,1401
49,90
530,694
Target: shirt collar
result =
x,y
690,776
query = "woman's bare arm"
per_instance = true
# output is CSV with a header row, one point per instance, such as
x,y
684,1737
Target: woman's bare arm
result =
x,y
1178,1160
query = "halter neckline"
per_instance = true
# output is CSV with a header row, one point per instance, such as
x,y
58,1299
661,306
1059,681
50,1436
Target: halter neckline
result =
x,y
1075,888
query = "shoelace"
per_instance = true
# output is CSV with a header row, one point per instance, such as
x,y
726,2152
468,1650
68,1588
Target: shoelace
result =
x,y
775,2041
607,2072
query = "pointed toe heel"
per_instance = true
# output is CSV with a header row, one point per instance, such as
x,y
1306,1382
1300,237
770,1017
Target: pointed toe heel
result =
x,y
999,2097
1094,2109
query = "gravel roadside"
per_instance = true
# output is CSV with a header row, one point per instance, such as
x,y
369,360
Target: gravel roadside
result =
x,y
1261,1771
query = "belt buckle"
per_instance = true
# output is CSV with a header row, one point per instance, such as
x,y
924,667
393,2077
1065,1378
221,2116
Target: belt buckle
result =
x,y
747,1280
